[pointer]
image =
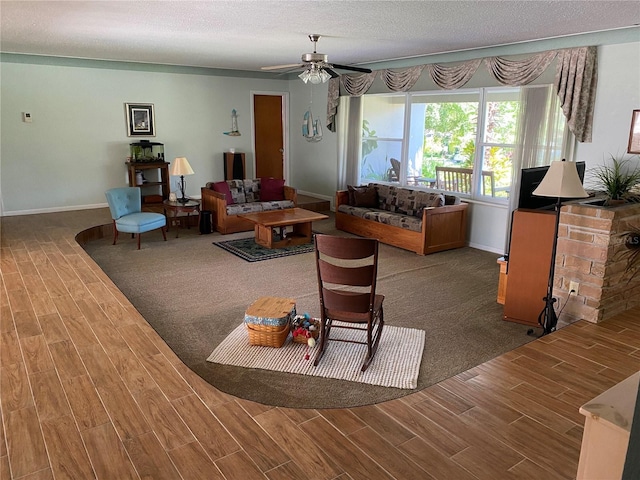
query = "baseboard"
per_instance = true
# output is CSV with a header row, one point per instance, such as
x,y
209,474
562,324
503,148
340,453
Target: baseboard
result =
x,y
486,248
35,211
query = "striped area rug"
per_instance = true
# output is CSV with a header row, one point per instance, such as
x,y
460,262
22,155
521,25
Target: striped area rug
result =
x,y
396,363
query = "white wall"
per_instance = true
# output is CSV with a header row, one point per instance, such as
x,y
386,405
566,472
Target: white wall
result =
x,y
314,166
76,147
617,96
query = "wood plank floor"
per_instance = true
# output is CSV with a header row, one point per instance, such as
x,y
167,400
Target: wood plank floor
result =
x,y
89,390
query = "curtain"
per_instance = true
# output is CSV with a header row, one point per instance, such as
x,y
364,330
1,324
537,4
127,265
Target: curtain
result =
x,y
576,79
354,85
349,141
575,82
333,98
403,80
452,77
543,137
519,72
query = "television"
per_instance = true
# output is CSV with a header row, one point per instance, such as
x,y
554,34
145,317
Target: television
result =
x,y
530,178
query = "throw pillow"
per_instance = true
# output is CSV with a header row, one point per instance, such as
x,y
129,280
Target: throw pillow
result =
x,y
223,187
367,198
351,191
271,189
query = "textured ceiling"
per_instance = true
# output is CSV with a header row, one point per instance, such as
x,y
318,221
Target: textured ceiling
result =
x,y
245,35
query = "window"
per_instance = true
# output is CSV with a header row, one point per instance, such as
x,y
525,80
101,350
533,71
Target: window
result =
x,y
442,142
462,141
382,138
497,143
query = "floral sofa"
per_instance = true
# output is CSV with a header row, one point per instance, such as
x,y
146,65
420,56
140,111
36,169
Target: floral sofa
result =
x,y
420,221
229,198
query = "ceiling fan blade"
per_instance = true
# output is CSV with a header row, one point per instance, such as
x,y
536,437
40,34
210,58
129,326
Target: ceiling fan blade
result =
x,y
354,69
331,72
279,67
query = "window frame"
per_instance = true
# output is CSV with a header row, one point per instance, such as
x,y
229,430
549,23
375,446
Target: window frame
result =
x,y
480,145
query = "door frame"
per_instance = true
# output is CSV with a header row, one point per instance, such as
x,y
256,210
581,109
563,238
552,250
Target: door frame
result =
x,y
285,130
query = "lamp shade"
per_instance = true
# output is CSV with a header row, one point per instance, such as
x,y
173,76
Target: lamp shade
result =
x,y
181,167
561,180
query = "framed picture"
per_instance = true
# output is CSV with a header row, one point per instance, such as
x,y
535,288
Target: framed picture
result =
x,y
634,134
141,121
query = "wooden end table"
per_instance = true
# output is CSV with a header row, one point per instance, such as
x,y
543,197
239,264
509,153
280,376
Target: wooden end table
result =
x,y
176,207
299,218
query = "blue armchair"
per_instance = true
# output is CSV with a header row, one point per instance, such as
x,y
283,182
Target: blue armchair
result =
x,y
126,210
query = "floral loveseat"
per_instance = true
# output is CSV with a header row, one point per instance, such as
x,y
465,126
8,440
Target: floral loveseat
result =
x,y
416,220
229,198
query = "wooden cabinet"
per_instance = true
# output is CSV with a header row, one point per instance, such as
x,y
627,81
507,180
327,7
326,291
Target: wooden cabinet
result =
x,y
528,265
502,283
156,187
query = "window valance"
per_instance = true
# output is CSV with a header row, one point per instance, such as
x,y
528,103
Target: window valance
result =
x,y
575,81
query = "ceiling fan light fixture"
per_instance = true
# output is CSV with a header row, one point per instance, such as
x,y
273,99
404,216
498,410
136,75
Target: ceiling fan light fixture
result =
x,y
314,75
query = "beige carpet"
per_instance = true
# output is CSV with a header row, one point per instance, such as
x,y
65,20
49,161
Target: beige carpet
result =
x,y
194,295
396,363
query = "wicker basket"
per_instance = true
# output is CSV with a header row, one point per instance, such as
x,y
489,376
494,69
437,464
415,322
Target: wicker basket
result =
x,y
267,335
315,334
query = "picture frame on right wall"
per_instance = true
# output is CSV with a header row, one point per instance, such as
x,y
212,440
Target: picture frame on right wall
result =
x,y
634,134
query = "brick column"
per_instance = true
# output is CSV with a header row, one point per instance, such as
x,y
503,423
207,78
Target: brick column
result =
x,y
589,252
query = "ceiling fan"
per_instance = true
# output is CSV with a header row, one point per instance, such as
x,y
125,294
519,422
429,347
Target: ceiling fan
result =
x,y
317,68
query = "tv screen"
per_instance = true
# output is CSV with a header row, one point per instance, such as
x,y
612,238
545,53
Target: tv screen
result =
x,y
530,178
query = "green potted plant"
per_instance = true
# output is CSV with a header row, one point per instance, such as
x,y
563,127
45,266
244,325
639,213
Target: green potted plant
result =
x,y
617,179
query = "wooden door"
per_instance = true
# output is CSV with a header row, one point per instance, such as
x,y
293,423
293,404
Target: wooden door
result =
x,y
269,138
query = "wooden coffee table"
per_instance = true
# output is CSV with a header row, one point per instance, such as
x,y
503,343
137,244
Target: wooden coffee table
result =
x,y
299,218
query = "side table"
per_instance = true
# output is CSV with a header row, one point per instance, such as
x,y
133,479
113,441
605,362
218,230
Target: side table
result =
x,y
177,207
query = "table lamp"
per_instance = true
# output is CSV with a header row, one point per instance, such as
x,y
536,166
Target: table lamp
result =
x,y
560,181
181,168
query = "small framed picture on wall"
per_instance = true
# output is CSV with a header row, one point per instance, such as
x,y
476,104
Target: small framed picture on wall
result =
x,y
141,121
634,134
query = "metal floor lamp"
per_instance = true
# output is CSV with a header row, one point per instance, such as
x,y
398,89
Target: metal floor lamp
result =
x,y
560,181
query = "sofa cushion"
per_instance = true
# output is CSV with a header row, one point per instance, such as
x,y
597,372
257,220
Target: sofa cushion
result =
x,y
424,200
223,187
366,197
271,189
396,200
383,192
237,191
277,205
252,189
247,207
407,222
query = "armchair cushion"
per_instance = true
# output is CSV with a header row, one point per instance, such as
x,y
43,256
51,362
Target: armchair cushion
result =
x,y
140,222
223,187
271,189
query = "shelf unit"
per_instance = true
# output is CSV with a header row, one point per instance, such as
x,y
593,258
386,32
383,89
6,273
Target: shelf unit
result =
x,y
154,191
